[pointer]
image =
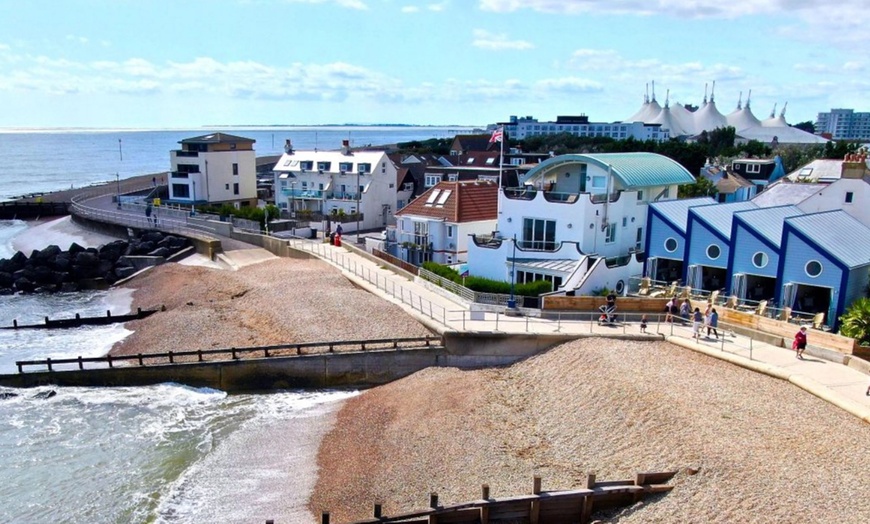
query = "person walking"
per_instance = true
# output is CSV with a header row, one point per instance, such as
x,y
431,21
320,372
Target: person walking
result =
x,y
643,324
713,323
800,342
697,321
148,210
669,310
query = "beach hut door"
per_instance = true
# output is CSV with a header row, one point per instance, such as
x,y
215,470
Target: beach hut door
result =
x,y
738,285
788,293
651,267
695,276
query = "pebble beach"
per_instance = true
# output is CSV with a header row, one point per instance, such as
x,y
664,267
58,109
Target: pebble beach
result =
x,y
748,448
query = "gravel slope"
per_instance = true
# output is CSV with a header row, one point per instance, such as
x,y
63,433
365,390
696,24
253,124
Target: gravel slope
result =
x,y
273,302
766,451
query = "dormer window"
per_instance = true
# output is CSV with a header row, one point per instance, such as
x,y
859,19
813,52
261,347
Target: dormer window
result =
x,y
364,168
306,165
345,167
324,166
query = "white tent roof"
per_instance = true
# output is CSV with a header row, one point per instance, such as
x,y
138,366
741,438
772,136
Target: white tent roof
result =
x,y
743,119
685,117
709,118
669,121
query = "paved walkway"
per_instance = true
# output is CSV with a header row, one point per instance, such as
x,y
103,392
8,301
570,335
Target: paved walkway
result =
x,y
842,385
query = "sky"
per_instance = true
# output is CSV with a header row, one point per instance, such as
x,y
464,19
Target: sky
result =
x,y
175,64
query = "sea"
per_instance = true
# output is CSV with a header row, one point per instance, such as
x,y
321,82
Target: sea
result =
x,y
167,453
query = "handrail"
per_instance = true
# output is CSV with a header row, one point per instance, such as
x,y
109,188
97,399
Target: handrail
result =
x,y
365,345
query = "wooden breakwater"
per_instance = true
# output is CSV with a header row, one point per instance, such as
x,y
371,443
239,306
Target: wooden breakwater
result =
x,y
78,321
540,507
22,210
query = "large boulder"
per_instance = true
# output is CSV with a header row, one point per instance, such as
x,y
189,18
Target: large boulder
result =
x,y
86,259
160,252
75,248
113,250
122,272
6,279
24,284
46,255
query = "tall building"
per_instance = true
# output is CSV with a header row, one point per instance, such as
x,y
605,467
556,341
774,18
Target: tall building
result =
x,y
844,124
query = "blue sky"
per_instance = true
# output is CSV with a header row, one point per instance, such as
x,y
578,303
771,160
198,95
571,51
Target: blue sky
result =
x,y
155,63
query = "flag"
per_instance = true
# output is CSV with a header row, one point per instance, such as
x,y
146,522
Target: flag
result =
x,y
464,273
497,136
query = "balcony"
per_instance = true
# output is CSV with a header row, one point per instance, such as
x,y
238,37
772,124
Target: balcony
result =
x,y
303,194
538,245
342,196
179,153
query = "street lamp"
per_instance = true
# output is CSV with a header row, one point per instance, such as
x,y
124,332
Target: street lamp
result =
x,y
193,202
512,303
358,191
118,181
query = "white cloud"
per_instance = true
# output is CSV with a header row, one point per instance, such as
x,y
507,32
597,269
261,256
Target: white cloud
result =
x,y
439,7
410,9
498,42
568,85
79,39
843,22
350,4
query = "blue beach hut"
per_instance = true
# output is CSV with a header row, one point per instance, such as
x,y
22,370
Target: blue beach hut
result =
x,y
708,244
754,254
825,263
666,237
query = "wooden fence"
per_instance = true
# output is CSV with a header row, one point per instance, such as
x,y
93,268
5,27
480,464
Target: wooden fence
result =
x,y
279,350
79,320
398,262
541,507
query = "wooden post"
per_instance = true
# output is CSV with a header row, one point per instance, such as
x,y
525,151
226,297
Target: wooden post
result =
x,y
270,521
48,361
15,323
484,492
81,365
199,354
586,512
535,506
377,512
46,321
108,313
639,480
324,517
433,500
109,359
233,351
171,358
590,481
78,316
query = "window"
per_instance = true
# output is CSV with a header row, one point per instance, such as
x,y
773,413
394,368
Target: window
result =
x,y
813,268
713,251
452,177
324,166
671,245
760,259
345,167
306,165
611,233
443,198
640,196
236,188
188,168
539,234
638,241
624,221
392,186
227,187
449,231
599,182
432,197
180,191
753,168
849,197
235,169
364,168
431,180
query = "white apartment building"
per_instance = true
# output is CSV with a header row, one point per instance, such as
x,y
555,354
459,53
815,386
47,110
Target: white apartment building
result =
x,y
523,127
319,185
844,124
214,169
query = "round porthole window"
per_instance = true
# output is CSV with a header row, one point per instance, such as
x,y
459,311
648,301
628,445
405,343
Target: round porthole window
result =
x,y
620,287
813,268
713,251
671,245
760,259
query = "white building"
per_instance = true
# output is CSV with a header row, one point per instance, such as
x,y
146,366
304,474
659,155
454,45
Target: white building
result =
x,y
214,169
579,221
317,185
524,127
437,225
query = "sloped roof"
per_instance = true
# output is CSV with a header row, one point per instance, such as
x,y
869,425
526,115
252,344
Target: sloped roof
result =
x,y
685,117
709,118
731,182
467,201
290,162
783,134
564,265
677,211
473,142
718,216
783,193
742,119
852,249
632,169
215,138
768,221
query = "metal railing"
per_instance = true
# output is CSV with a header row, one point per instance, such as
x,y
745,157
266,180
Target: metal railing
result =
x,y
479,297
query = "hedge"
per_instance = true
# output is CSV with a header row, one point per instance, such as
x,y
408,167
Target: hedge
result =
x,y
488,285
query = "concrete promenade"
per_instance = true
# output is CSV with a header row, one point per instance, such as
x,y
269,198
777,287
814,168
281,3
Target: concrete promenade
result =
x,y
845,386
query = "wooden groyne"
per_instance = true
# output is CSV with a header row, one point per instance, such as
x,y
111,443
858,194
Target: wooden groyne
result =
x,y
78,321
541,507
272,351
22,210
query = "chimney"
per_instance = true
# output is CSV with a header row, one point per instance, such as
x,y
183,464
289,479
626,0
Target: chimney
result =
x,y
345,147
288,147
854,166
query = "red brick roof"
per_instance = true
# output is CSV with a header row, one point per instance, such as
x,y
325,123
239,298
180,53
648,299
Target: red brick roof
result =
x,y
468,201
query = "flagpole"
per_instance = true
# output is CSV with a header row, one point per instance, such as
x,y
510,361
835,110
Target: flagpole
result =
x,y
500,164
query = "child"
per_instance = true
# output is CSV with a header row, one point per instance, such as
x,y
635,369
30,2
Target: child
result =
x,y
800,342
643,324
697,322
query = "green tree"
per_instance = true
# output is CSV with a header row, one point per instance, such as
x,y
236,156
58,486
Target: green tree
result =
x,y
701,187
807,126
855,323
